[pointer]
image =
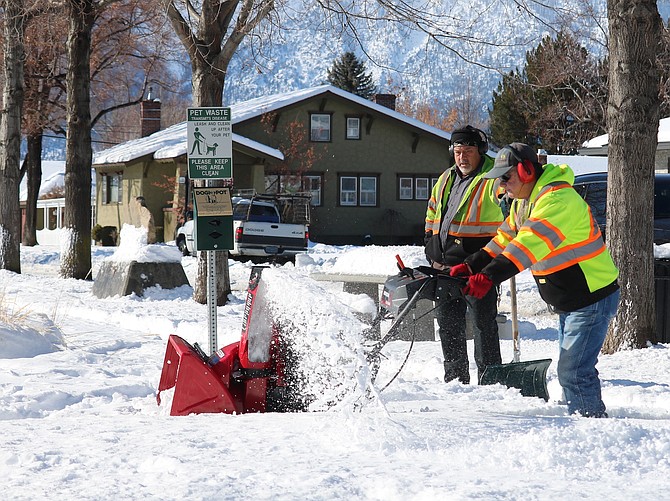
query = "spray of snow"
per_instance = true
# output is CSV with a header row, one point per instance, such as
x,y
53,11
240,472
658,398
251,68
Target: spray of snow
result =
x,y
325,341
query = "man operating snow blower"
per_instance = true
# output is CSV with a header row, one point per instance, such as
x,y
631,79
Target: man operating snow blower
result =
x,y
463,214
550,230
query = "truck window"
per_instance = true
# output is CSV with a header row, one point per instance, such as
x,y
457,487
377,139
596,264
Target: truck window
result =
x,y
258,213
661,200
264,214
595,194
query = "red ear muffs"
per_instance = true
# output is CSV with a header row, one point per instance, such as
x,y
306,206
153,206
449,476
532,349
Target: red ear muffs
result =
x,y
526,171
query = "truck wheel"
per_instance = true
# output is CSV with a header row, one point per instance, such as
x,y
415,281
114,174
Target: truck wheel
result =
x,y
181,244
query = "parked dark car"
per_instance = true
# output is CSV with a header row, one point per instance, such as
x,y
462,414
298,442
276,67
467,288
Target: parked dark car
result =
x,y
593,188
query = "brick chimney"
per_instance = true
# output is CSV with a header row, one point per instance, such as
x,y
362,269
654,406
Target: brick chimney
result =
x,y
387,100
150,114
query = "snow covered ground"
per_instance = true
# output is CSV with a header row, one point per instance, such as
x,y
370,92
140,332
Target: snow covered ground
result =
x,y
78,379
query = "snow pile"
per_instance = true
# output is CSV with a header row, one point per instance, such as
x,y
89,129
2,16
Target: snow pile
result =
x,y
26,334
134,247
83,415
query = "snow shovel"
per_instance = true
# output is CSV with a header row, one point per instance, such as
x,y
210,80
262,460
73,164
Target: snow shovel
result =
x,y
529,377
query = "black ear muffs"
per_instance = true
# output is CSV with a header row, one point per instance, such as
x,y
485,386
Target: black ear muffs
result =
x,y
482,146
484,143
526,171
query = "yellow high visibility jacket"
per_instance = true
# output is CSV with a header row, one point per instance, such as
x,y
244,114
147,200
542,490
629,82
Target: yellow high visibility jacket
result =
x,y
478,214
558,239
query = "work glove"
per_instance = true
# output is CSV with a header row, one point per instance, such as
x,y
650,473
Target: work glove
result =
x,y
478,286
460,270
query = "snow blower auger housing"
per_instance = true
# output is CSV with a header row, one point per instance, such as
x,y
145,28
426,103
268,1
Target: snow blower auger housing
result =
x,y
245,376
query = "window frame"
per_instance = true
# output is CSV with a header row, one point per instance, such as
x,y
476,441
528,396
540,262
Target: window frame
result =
x,y
108,194
349,191
318,200
355,197
348,137
312,129
415,179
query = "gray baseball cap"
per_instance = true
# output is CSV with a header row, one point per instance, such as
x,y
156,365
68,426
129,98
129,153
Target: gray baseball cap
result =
x,y
509,156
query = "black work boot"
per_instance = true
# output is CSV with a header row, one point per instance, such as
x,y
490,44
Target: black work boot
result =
x,y
456,371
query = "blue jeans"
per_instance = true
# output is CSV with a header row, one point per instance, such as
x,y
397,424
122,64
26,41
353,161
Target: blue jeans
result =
x,y
581,335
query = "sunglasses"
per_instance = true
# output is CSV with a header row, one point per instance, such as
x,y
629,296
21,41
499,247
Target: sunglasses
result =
x,y
506,177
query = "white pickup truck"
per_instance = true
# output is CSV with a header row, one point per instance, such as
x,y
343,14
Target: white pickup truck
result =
x,y
264,226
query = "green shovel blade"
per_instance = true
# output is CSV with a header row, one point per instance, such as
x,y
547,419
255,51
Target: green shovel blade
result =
x,y
529,377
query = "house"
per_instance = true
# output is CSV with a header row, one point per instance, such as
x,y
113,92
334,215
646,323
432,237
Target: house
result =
x,y
598,146
50,203
368,167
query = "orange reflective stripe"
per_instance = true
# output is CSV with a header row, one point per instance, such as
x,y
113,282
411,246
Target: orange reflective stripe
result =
x,y
581,251
491,251
566,264
519,255
546,231
552,187
509,235
469,216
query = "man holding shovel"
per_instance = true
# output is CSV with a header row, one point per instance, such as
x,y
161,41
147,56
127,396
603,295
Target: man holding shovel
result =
x,y
462,216
550,230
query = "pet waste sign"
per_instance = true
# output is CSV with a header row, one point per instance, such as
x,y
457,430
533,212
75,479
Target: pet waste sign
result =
x,y
210,143
213,214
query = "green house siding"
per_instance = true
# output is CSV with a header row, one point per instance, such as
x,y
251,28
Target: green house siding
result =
x,y
386,147
138,179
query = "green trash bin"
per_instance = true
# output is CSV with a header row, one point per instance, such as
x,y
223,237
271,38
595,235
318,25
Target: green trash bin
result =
x,y
662,293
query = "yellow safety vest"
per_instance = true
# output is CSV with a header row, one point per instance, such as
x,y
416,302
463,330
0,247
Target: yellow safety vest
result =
x,y
478,214
559,232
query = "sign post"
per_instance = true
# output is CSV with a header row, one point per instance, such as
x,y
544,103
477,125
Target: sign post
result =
x,y
210,157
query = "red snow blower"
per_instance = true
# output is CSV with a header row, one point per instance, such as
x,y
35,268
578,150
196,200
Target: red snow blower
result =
x,y
246,376
259,374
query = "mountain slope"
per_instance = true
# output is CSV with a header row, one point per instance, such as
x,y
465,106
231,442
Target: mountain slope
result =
x,y
400,58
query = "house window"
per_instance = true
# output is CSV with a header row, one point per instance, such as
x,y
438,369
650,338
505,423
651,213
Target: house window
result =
x,y
422,188
348,189
112,190
353,128
414,187
368,191
320,127
406,188
358,191
312,185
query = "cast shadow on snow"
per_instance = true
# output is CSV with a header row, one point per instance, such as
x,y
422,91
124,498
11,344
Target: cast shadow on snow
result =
x,y
527,330
641,384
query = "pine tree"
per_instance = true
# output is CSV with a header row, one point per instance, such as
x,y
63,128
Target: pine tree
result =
x,y
348,73
556,101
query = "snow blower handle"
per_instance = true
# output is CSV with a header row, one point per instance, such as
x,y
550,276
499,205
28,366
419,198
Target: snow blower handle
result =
x,y
404,269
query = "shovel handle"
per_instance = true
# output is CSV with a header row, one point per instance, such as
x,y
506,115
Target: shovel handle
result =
x,y
515,322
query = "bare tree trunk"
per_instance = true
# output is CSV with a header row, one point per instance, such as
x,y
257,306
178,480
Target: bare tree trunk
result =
x,y
10,136
211,38
76,248
33,162
632,118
